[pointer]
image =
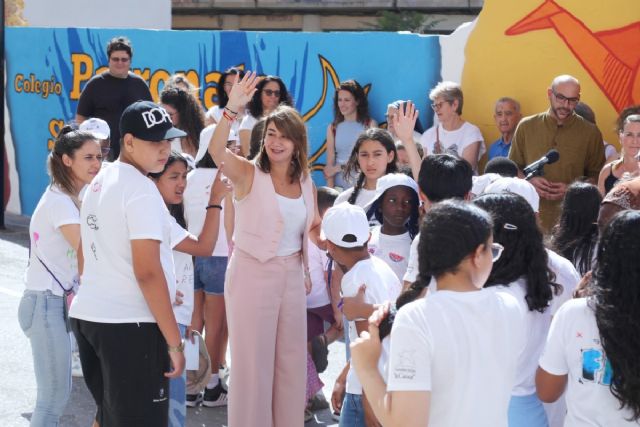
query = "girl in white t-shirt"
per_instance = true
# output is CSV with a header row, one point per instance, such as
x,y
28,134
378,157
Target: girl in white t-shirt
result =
x,y
452,133
396,208
214,114
524,272
171,183
453,354
592,348
52,274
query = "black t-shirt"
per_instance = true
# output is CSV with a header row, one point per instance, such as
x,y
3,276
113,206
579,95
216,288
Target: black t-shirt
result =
x,y
106,97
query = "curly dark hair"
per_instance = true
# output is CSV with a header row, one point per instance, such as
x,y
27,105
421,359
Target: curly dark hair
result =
x,y
616,305
576,234
515,228
374,134
189,111
354,88
255,105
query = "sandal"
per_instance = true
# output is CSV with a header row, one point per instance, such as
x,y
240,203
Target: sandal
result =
x,y
320,352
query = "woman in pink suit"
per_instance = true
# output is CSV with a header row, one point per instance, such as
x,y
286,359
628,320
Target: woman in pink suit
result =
x,y
267,273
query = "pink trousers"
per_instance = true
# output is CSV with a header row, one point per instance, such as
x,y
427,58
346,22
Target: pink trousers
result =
x,y
266,314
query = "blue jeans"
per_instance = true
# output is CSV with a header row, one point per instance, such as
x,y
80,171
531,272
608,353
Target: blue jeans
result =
x,y
178,394
527,411
352,413
41,318
209,274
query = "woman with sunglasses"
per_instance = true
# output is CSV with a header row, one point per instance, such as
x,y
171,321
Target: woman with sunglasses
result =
x,y
270,93
452,133
540,280
453,354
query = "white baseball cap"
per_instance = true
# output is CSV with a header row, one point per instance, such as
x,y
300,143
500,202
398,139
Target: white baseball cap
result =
x,y
393,180
517,186
205,138
482,181
346,225
98,127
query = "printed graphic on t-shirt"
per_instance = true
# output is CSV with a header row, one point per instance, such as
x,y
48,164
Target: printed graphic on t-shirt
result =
x,y
596,368
92,222
406,367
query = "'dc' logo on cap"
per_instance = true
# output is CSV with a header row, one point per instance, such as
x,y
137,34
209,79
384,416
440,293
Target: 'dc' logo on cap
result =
x,y
155,116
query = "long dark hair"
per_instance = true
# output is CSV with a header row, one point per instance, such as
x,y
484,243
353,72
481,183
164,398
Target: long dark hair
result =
x,y
524,256
362,111
255,105
67,142
223,98
374,134
616,304
177,210
576,234
189,110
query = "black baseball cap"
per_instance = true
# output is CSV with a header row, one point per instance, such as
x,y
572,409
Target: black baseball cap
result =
x,y
149,121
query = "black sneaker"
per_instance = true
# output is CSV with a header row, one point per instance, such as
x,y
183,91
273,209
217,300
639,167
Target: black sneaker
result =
x,y
214,397
193,400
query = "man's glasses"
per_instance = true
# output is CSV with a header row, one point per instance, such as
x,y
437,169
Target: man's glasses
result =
x,y
561,98
117,59
270,92
496,251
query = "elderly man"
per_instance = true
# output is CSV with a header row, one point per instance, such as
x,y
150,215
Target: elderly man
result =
x,y
507,115
578,142
107,94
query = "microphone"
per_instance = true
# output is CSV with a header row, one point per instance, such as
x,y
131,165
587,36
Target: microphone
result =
x,y
536,168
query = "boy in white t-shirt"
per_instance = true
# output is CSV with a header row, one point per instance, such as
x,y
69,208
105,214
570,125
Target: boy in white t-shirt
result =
x,y
347,231
122,316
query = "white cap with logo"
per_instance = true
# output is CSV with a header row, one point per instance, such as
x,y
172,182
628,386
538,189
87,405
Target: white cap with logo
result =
x,y
346,225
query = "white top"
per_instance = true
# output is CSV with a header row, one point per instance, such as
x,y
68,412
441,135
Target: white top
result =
x,y
463,348
382,285
346,134
318,263
394,250
455,140
54,210
215,113
412,264
573,347
294,214
566,276
183,269
121,205
196,199
247,123
364,197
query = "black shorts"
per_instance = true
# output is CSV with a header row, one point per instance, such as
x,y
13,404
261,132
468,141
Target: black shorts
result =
x,y
123,366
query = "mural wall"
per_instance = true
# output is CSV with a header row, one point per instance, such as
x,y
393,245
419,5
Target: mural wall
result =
x,y
512,49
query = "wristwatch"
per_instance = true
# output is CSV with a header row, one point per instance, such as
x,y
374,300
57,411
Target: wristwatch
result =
x,y
177,349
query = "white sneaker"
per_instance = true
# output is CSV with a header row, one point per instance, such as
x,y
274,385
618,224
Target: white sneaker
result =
x,y
76,366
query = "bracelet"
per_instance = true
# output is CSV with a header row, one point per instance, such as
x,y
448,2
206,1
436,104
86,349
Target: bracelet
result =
x,y
214,206
177,349
228,116
231,111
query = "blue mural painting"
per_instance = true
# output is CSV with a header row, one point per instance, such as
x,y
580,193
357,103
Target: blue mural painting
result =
x,y
47,69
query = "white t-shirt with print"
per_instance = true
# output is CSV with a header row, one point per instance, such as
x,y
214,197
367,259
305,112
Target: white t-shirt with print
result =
x,y
196,199
120,205
318,262
455,140
382,285
573,348
463,347
183,268
54,210
394,250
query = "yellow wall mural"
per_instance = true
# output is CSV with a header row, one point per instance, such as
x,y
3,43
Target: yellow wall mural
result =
x,y
518,47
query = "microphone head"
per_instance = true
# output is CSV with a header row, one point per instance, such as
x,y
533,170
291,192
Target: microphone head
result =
x,y
552,156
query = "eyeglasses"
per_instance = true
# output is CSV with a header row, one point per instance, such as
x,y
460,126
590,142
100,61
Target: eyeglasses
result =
x,y
496,251
270,92
117,59
561,98
438,105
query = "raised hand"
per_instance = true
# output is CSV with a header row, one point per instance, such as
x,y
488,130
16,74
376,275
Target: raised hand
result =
x,y
405,121
242,90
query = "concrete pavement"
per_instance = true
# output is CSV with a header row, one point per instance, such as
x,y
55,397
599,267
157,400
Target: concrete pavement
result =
x,y
18,387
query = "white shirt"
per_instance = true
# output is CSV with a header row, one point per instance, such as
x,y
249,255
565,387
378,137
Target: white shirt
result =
x,y
412,264
566,276
120,205
247,123
455,140
196,199
463,348
183,269
215,113
364,197
318,263
382,285
294,214
573,347
54,210
394,250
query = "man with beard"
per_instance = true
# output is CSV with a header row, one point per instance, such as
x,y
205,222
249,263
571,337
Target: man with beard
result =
x,y
578,142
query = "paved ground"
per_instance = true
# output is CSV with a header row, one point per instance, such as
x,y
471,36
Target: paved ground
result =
x,y
18,388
